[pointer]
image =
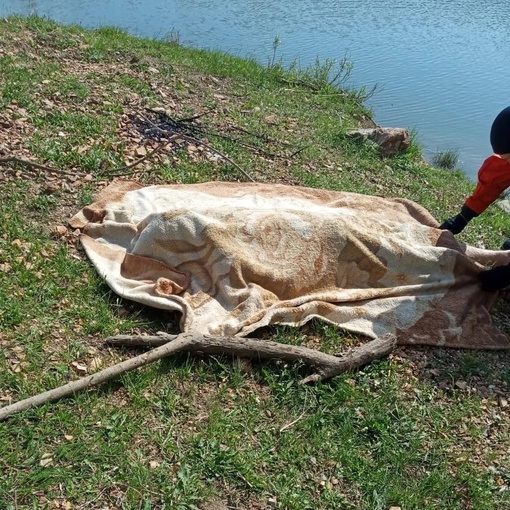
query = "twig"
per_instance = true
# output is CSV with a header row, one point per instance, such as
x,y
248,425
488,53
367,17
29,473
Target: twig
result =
x,y
31,164
293,422
206,145
182,120
226,158
326,365
191,119
249,146
86,504
295,153
244,144
262,137
91,380
113,173
176,128
289,425
118,172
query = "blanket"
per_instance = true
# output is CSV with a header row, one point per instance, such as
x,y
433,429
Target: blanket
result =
x,y
234,257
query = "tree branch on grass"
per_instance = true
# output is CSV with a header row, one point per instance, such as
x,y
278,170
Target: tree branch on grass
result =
x,y
121,171
31,164
184,120
116,172
326,366
196,141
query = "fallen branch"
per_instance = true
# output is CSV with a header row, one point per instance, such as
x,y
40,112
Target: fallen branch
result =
x,y
120,171
325,365
223,156
296,152
260,136
31,164
116,172
184,120
203,144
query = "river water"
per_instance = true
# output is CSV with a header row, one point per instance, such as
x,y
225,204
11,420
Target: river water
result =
x,y
442,67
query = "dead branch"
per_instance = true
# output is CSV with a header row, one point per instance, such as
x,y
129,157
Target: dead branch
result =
x,y
31,164
118,172
251,147
183,120
296,152
226,158
203,144
178,122
94,379
260,136
325,365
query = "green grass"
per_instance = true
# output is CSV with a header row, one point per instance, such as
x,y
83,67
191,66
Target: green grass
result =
x,y
446,159
214,432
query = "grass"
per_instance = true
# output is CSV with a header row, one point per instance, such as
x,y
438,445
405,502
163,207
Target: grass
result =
x,y
447,160
213,432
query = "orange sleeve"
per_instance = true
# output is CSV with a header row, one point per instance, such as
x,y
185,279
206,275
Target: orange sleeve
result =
x,y
493,179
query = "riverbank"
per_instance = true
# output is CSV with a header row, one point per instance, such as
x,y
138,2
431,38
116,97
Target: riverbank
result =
x,y
422,429
426,80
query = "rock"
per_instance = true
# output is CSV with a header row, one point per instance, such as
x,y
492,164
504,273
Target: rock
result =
x,y
461,385
505,205
390,140
366,122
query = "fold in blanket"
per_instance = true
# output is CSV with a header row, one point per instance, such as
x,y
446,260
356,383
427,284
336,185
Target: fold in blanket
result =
x,y
233,257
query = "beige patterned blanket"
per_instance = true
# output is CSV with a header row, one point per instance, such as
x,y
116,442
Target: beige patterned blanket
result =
x,y
233,257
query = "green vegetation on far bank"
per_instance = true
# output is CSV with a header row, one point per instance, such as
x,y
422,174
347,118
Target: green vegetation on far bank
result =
x,y
422,429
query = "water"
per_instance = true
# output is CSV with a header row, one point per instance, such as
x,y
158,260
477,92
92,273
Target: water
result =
x,y
441,66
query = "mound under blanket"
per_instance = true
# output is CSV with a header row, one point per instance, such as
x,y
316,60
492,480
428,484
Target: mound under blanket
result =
x,y
233,257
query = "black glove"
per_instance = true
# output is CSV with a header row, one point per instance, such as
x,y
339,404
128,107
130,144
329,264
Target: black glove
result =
x,y
495,279
456,224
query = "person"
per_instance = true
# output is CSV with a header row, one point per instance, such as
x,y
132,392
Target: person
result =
x,y
493,176
493,179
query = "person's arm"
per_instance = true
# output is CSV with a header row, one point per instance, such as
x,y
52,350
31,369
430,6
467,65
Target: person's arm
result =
x,y
493,179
